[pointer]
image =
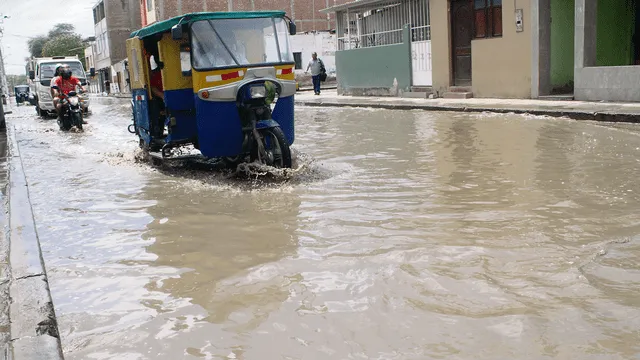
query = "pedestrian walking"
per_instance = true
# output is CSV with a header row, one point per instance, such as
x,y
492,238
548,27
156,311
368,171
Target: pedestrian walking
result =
x,y
318,72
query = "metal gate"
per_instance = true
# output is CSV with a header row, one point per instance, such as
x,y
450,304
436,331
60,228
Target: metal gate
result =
x,y
420,43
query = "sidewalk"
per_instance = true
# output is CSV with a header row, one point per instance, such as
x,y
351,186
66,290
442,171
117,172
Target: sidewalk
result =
x,y
33,327
578,110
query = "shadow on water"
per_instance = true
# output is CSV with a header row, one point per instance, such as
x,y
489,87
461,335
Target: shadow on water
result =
x,y
226,247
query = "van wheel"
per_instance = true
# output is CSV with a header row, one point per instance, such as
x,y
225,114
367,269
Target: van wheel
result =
x,y
41,113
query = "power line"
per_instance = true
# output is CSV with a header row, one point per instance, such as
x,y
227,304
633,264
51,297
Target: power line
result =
x,y
22,36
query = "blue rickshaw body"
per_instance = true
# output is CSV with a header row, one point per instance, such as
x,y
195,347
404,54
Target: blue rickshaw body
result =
x,y
201,105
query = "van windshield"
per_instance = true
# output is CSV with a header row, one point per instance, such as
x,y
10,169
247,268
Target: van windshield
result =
x,y
47,69
240,42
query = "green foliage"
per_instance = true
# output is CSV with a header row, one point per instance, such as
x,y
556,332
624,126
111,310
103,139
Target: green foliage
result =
x,y
60,41
36,44
14,80
64,45
61,29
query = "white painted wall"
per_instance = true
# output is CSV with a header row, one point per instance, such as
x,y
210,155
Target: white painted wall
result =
x,y
151,11
323,43
101,54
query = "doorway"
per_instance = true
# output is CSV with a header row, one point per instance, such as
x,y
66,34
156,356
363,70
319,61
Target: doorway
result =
x,y
461,35
562,25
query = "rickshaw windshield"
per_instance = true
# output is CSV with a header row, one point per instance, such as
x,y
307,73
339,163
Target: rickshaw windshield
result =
x,y
240,42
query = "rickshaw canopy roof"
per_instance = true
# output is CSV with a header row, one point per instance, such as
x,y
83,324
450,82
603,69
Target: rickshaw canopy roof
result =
x,y
22,86
166,25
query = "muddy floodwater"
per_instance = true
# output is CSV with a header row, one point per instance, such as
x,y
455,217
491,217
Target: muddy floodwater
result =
x,y
405,235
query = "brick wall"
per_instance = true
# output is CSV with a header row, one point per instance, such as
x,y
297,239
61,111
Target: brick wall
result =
x,y
306,13
122,18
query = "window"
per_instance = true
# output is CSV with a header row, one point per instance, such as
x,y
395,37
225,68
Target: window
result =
x,y
149,5
297,57
488,18
134,58
98,13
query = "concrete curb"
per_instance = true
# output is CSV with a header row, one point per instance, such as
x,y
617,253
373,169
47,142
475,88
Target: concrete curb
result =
x,y
34,328
328,87
572,114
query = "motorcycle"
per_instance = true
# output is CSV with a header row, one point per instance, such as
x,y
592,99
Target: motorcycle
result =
x,y
21,93
71,112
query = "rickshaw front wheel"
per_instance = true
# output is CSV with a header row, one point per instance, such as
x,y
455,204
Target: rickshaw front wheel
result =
x,y
276,147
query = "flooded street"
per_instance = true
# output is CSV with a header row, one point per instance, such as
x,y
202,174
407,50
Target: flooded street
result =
x,y
407,235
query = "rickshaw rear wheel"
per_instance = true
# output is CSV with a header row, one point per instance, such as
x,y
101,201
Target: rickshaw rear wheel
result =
x,y
279,150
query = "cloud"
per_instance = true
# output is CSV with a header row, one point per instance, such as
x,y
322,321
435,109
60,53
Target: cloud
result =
x,y
29,18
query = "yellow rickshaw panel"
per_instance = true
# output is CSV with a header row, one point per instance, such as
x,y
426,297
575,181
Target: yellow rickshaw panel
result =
x,y
213,78
207,79
172,78
139,72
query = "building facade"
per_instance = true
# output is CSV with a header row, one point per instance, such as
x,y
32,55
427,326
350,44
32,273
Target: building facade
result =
x,y
570,49
383,47
114,20
582,49
89,59
606,43
482,48
321,42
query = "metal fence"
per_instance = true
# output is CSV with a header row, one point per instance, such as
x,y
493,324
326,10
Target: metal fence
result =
x,y
381,23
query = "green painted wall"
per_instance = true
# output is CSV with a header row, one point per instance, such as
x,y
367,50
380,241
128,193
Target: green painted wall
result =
x,y
374,67
562,41
614,32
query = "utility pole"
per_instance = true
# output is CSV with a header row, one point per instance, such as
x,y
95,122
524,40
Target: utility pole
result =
x,y
3,73
3,81
4,93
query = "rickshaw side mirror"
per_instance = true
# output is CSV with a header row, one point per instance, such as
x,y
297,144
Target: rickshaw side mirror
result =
x,y
292,27
176,32
32,74
92,72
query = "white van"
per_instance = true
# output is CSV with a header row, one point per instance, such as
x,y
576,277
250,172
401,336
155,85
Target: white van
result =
x,y
41,72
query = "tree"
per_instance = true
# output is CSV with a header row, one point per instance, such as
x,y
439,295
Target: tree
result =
x,y
14,80
36,44
65,45
60,41
61,29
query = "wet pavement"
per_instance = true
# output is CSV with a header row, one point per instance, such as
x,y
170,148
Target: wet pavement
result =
x,y
405,235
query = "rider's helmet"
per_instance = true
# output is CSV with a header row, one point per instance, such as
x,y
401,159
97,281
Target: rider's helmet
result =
x,y
58,68
65,72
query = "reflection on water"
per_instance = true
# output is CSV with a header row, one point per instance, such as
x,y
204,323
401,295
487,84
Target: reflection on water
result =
x,y
412,235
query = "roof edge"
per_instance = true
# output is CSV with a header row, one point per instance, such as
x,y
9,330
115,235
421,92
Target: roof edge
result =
x,y
165,25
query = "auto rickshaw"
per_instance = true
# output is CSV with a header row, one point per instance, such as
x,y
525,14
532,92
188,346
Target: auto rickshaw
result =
x,y
228,86
21,93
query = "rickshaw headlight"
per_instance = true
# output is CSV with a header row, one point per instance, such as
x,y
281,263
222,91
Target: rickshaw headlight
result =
x,y
258,92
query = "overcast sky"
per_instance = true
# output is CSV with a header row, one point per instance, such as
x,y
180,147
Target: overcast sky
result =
x,y
22,22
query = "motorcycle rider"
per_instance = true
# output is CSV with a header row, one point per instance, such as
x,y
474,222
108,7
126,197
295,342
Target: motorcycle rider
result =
x,y
64,84
56,74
